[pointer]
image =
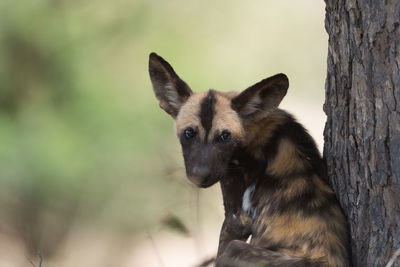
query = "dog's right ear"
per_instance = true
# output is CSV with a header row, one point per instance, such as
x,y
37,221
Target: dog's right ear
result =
x,y
170,90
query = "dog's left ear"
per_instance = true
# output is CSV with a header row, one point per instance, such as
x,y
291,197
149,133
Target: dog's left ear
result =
x,y
257,101
169,89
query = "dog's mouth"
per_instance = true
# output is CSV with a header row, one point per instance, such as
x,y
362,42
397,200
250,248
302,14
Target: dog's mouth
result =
x,y
208,183
203,182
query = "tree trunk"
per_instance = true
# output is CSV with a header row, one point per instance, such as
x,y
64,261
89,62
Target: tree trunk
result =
x,y
362,133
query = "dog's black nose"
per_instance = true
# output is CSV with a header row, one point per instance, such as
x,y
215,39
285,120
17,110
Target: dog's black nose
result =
x,y
199,175
200,172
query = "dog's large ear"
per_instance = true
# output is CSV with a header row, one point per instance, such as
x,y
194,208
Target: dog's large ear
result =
x,y
170,90
257,101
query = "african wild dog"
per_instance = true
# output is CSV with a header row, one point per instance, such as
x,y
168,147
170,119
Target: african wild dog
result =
x,y
272,176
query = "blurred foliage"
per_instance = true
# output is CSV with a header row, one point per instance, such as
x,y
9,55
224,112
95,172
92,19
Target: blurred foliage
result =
x,y
73,145
82,140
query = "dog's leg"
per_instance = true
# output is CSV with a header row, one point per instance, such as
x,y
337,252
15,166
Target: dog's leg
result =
x,y
233,228
236,226
241,254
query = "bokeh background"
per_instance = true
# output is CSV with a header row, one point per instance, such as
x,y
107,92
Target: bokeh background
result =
x,y
90,170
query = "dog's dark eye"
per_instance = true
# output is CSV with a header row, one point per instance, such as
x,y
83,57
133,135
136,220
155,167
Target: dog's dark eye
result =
x,y
189,133
225,136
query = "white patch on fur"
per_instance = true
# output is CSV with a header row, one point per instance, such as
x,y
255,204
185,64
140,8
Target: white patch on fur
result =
x,y
249,239
246,203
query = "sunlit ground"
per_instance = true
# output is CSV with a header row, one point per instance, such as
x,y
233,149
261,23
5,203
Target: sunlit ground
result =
x,y
90,170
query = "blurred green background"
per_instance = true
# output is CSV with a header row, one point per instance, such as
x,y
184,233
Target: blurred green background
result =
x,y
86,156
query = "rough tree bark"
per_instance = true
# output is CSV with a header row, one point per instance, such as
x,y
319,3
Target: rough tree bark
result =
x,y
362,133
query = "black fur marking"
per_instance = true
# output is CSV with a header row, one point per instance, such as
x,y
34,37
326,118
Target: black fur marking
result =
x,y
207,111
253,167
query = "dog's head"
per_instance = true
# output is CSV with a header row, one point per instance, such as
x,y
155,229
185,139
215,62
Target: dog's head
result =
x,y
210,125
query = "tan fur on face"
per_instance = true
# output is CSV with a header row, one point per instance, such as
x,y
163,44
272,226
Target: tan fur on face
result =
x,y
225,118
188,115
